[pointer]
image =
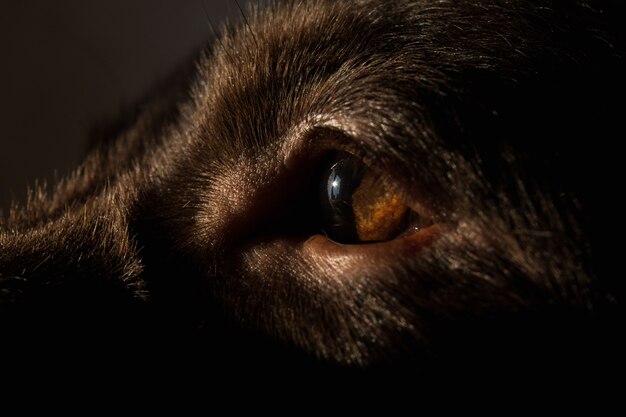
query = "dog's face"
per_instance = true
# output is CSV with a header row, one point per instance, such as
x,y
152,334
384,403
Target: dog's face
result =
x,y
370,184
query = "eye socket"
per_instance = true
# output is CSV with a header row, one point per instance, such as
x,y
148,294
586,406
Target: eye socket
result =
x,y
361,205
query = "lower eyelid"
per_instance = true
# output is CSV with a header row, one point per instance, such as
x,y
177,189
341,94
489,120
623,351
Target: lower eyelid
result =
x,y
402,246
336,261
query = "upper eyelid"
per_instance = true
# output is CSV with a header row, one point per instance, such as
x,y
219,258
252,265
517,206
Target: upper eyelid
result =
x,y
325,132
310,140
369,152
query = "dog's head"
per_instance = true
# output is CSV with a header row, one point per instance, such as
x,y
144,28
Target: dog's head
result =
x,y
370,183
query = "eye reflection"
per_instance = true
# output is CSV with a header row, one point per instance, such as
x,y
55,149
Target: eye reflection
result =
x,y
359,204
343,178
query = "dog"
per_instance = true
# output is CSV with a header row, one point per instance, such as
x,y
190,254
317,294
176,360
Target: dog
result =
x,y
418,185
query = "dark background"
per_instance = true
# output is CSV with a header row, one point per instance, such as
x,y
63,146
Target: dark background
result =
x,y
68,67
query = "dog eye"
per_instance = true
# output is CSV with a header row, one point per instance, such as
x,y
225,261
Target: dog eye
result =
x,y
361,205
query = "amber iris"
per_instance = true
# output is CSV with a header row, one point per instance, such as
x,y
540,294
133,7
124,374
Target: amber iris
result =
x,y
359,204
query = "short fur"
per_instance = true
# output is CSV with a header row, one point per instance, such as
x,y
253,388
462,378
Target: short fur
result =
x,y
498,116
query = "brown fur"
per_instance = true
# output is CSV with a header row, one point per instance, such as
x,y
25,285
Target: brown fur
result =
x,y
496,116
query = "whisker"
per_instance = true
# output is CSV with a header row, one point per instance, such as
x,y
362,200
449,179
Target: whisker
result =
x,y
245,19
212,27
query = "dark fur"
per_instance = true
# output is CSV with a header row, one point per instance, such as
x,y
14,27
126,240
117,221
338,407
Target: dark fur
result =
x,y
499,116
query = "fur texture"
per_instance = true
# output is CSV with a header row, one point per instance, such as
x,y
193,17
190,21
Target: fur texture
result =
x,y
498,117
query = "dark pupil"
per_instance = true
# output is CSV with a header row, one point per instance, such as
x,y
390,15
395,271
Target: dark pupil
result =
x,y
338,184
